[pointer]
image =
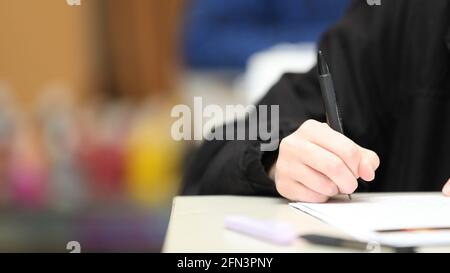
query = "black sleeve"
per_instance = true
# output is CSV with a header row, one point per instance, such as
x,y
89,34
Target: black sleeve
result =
x,y
240,167
236,166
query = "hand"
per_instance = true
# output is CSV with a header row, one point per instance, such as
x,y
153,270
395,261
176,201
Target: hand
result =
x,y
316,162
446,189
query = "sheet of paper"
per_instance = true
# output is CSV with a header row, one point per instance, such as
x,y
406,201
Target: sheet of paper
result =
x,y
384,218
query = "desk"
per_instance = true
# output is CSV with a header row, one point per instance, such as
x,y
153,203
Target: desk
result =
x,y
197,225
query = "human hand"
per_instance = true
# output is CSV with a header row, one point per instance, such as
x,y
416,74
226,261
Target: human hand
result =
x,y
316,162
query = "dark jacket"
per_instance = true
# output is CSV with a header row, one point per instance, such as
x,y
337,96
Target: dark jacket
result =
x,y
390,65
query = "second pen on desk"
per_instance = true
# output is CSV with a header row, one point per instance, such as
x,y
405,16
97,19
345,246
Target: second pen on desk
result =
x,y
329,96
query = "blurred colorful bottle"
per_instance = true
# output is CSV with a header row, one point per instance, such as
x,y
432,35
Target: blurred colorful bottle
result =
x,y
56,113
102,152
152,158
8,113
103,163
27,170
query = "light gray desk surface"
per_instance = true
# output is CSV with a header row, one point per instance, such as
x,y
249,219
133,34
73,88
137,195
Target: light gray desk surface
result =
x,y
197,225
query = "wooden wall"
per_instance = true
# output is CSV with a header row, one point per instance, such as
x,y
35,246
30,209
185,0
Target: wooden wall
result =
x,y
142,38
123,46
44,43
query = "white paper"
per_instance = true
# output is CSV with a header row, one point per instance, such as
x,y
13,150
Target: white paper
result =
x,y
365,215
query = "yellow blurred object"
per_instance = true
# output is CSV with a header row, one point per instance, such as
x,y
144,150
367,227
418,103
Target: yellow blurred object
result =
x,y
153,159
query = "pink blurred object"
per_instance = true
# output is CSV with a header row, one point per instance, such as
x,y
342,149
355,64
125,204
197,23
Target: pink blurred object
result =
x,y
28,185
27,173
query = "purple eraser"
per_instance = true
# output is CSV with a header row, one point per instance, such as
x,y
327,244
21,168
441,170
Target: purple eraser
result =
x,y
274,232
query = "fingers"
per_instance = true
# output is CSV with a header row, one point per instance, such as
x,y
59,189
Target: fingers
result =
x,y
295,191
371,157
289,172
316,162
362,162
329,165
335,142
446,189
368,165
312,179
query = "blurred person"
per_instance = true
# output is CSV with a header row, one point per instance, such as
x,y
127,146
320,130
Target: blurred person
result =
x,y
225,33
390,66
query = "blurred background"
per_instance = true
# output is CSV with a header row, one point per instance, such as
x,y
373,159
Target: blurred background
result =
x,y
85,98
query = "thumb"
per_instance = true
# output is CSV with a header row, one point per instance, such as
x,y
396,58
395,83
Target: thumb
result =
x,y
446,189
368,165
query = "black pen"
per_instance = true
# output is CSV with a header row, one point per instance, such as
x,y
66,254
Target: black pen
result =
x,y
351,244
329,96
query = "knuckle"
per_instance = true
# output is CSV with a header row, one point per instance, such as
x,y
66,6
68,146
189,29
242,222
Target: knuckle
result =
x,y
287,142
284,148
283,143
310,123
287,153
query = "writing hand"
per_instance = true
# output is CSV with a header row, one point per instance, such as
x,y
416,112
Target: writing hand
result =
x,y
316,162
